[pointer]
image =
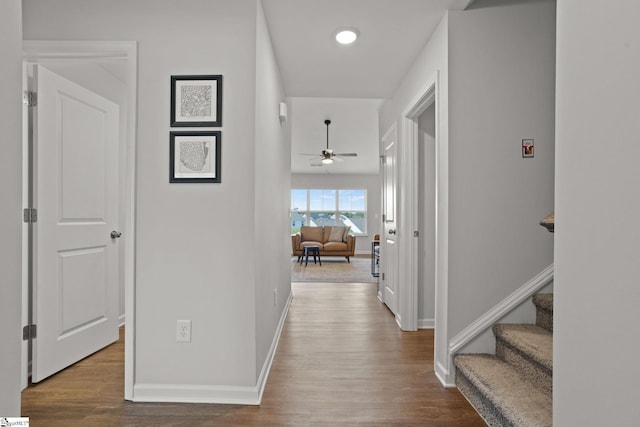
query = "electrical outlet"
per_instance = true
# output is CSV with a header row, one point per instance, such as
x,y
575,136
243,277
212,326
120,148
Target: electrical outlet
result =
x,y
183,331
275,297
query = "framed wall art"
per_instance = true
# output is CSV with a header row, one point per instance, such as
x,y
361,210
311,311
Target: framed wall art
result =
x,y
527,148
195,157
196,101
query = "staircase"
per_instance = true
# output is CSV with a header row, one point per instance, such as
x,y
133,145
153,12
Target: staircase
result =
x,y
513,387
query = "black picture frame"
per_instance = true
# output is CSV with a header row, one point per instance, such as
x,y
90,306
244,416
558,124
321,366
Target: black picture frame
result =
x,y
196,101
195,157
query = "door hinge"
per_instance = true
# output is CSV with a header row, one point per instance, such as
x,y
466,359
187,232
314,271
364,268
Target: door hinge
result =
x,y
30,215
416,233
29,98
382,276
384,217
29,332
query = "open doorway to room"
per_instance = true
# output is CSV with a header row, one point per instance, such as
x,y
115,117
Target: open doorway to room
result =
x,y
423,167
426,217
87,91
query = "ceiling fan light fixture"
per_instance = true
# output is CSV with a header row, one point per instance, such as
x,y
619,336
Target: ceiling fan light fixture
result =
x,y
347,35
327,161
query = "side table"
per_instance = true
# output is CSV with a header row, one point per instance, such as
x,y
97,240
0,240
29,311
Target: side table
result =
x,y
311,250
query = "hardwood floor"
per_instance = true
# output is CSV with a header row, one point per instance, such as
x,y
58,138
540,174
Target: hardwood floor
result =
x,y
341,361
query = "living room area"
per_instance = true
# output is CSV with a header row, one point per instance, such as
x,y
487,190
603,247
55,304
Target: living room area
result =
x,y
335,206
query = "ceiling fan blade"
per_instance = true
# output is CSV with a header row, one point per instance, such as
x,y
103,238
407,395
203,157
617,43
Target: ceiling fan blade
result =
x,y
316,164
347,154
307,154
337,159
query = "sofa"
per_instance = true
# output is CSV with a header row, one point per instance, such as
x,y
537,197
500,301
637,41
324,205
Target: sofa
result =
x,y
331,240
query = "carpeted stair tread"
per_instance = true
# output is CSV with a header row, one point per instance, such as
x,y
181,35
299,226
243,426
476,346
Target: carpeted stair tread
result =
x,y
500,394
534,342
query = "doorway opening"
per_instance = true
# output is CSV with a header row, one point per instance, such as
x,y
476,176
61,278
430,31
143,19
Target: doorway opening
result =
x,y
71,63
410,227
437,121
426,187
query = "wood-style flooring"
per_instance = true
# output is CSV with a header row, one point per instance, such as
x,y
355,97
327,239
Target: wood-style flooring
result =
x,y
341,361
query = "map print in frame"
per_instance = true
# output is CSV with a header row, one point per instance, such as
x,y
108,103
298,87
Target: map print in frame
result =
x,y
195,156
196,101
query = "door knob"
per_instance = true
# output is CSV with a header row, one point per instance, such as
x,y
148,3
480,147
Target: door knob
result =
x,y
392,231
115,234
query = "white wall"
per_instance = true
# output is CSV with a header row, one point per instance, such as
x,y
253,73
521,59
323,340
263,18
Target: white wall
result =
x,y
596,315
195,253
371,183
272,179
501,90
11,206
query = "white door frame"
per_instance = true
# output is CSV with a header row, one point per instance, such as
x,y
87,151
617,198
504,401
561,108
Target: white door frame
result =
x,y
41,52
409,214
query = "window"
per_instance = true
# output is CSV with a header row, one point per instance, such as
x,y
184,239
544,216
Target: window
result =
x,y
329,207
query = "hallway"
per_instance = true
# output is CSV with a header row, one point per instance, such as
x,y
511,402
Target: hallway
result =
x,y
341,361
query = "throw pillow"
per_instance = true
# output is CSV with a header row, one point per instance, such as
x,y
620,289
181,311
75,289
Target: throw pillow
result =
x,y
336,234
346,233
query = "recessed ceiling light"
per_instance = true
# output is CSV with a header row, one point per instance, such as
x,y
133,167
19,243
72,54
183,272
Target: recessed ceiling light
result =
x,y
346,35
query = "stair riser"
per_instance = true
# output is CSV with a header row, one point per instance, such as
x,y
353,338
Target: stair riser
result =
x,y
530,369
492,416
544,319
544,310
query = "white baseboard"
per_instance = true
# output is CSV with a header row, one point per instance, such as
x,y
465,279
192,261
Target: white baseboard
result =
x,y
426,323
442,374
266,367
121,320
189,393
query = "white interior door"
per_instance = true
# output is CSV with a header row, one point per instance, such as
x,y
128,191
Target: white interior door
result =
x,y
389,256
75,259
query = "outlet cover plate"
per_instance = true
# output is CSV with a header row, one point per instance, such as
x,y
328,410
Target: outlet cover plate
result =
x,y
183,331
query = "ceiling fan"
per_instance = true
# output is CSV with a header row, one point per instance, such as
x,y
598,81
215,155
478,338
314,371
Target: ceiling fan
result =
x,y
328,156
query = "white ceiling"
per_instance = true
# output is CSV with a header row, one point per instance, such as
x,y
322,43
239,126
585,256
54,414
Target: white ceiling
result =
x,y
314,65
